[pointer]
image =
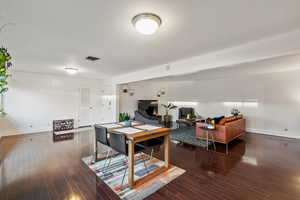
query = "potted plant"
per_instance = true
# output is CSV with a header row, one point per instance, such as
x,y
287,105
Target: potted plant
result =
x,y
5,63
235,111
124,117
168,118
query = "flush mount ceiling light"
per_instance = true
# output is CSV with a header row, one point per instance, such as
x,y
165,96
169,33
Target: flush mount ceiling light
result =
x,y
146,23
71,70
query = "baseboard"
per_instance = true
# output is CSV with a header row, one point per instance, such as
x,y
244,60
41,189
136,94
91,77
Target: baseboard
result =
x,y
251,130
85,126
28,131
273,133
41,130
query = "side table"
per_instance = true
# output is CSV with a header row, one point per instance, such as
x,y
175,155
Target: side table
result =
x,y
209,131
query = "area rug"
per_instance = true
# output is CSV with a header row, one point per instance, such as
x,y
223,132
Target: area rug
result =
x,y
187,135
113,174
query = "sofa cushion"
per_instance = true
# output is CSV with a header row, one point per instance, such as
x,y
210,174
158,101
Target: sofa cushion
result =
x,y
230,119
223,121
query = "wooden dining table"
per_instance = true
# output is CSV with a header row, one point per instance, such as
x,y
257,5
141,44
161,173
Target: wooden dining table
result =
x,y
141,136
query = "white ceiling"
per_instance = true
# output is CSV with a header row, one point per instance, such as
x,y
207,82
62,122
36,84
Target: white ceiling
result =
x,y
50,35
265,66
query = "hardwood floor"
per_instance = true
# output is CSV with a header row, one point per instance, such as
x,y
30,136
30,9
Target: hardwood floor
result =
x,y
258,167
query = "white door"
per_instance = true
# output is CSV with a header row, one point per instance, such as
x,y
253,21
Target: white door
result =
x,y
103,103
96,102
85,107
106,108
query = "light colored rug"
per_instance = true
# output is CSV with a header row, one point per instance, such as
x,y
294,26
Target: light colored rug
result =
x,y
113,175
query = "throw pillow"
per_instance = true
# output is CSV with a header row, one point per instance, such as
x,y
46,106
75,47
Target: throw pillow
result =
x,y
218,119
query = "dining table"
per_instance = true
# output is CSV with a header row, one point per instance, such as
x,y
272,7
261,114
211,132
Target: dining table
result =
x,y
139,132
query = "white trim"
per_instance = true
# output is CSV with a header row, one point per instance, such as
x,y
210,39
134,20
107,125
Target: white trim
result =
x,y
273,133
75,130
28,131
41,130
47,129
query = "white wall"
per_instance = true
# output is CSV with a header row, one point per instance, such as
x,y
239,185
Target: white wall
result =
x,y
35,100
270,102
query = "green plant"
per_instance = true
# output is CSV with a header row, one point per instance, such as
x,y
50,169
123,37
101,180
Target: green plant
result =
x,y
5,63
168,107
124,117
235,111
2,113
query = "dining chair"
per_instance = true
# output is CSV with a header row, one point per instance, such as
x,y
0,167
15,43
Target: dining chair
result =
x,y
118,142
101,135
151,144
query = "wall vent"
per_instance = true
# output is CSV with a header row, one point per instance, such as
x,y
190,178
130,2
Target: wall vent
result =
x,y
92,58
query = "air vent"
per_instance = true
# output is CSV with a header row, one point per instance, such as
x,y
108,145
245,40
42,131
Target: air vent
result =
x,y
92,58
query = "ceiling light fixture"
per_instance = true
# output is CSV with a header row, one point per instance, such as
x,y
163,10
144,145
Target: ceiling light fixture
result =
x,y
71,70
146,23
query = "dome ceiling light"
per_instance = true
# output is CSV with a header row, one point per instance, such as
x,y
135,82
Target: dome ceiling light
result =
x,y
146,23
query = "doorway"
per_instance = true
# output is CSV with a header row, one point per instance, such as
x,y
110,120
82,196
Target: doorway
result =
x,y
85,108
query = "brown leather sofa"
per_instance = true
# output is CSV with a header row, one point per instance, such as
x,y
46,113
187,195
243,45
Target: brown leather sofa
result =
x,y
227,130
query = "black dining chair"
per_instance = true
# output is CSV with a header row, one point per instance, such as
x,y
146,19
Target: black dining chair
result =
x,y
118,142
151,144
101,135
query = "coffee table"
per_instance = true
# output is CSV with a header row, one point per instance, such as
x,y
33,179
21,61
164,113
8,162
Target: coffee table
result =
x,y
189,122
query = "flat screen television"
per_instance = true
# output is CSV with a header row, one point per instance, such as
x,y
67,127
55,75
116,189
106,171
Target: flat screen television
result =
x,y
149,107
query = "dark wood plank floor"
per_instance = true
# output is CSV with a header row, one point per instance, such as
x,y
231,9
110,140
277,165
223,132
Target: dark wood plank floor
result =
x,y
258,168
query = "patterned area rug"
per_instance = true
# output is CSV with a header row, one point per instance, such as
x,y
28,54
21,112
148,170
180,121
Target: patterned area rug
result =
x,y
112,175
187,135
